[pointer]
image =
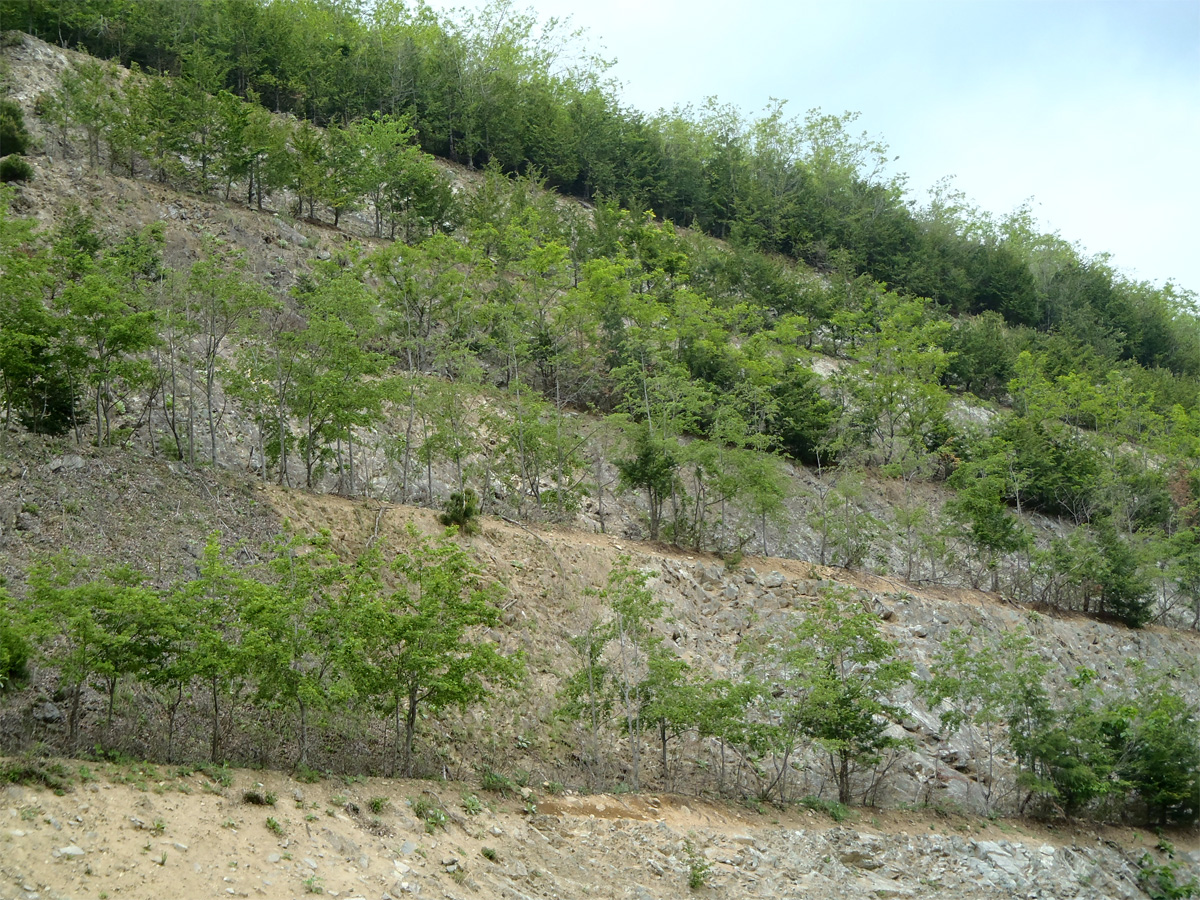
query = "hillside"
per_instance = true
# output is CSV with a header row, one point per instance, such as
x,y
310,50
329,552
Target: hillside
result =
x,y
664,564
638,840
139,832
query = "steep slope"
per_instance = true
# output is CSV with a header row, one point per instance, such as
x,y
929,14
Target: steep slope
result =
x,y
133,506
142,832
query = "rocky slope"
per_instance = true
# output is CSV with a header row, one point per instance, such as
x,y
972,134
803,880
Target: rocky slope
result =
x,y
143,834
88,841
105,836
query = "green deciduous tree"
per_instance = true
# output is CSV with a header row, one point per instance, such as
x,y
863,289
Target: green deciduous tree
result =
x,y
423,647
623,667
973,687
1160,757
90,627
982,486
828,683
652,468
15,649
296,631
213,603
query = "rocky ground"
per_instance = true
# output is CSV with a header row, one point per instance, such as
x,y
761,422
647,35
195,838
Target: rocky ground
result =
x,y
139,832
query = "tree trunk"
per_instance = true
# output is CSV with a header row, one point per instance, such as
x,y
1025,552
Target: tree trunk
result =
x,y
662,734
216,723
410,728
303,760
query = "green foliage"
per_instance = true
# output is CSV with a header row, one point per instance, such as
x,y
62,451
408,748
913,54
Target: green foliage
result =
x,y
980,507
430,812
541,311
419,646
313,884
36,772
1160,756
803,418
699,867
828,683
978,687
892,405
15,648
256,797
14,168
496,782
1125,592
1085,751
983,355
1161,881
462,512
14,137
623,667
652,468
92,627
839,812
494,88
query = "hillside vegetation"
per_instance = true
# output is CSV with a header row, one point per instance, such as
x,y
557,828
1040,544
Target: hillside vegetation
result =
x,y
416,332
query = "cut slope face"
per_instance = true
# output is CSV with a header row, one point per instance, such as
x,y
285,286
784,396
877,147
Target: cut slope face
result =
x,y
140,510
120,508
146,833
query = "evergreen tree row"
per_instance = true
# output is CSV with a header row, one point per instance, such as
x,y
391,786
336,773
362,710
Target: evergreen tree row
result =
x,y
499,87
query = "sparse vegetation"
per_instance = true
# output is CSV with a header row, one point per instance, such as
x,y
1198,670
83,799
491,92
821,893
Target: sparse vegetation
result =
x,y
839,812
430,812
33,771
258,797
695,363
698,866
496,783
1164,881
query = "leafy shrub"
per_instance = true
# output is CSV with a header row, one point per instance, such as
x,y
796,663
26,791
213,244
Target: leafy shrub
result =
x,y
493,781
14,657
15,168
462,512
836,811
1161,882
14,138
698,866
1161,756
219,774
429,812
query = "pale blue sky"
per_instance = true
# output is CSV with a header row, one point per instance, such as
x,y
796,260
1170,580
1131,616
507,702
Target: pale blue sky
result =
x,y
1090,108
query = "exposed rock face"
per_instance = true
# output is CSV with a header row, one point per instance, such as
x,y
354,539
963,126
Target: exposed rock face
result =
x,y
99,838
714,607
